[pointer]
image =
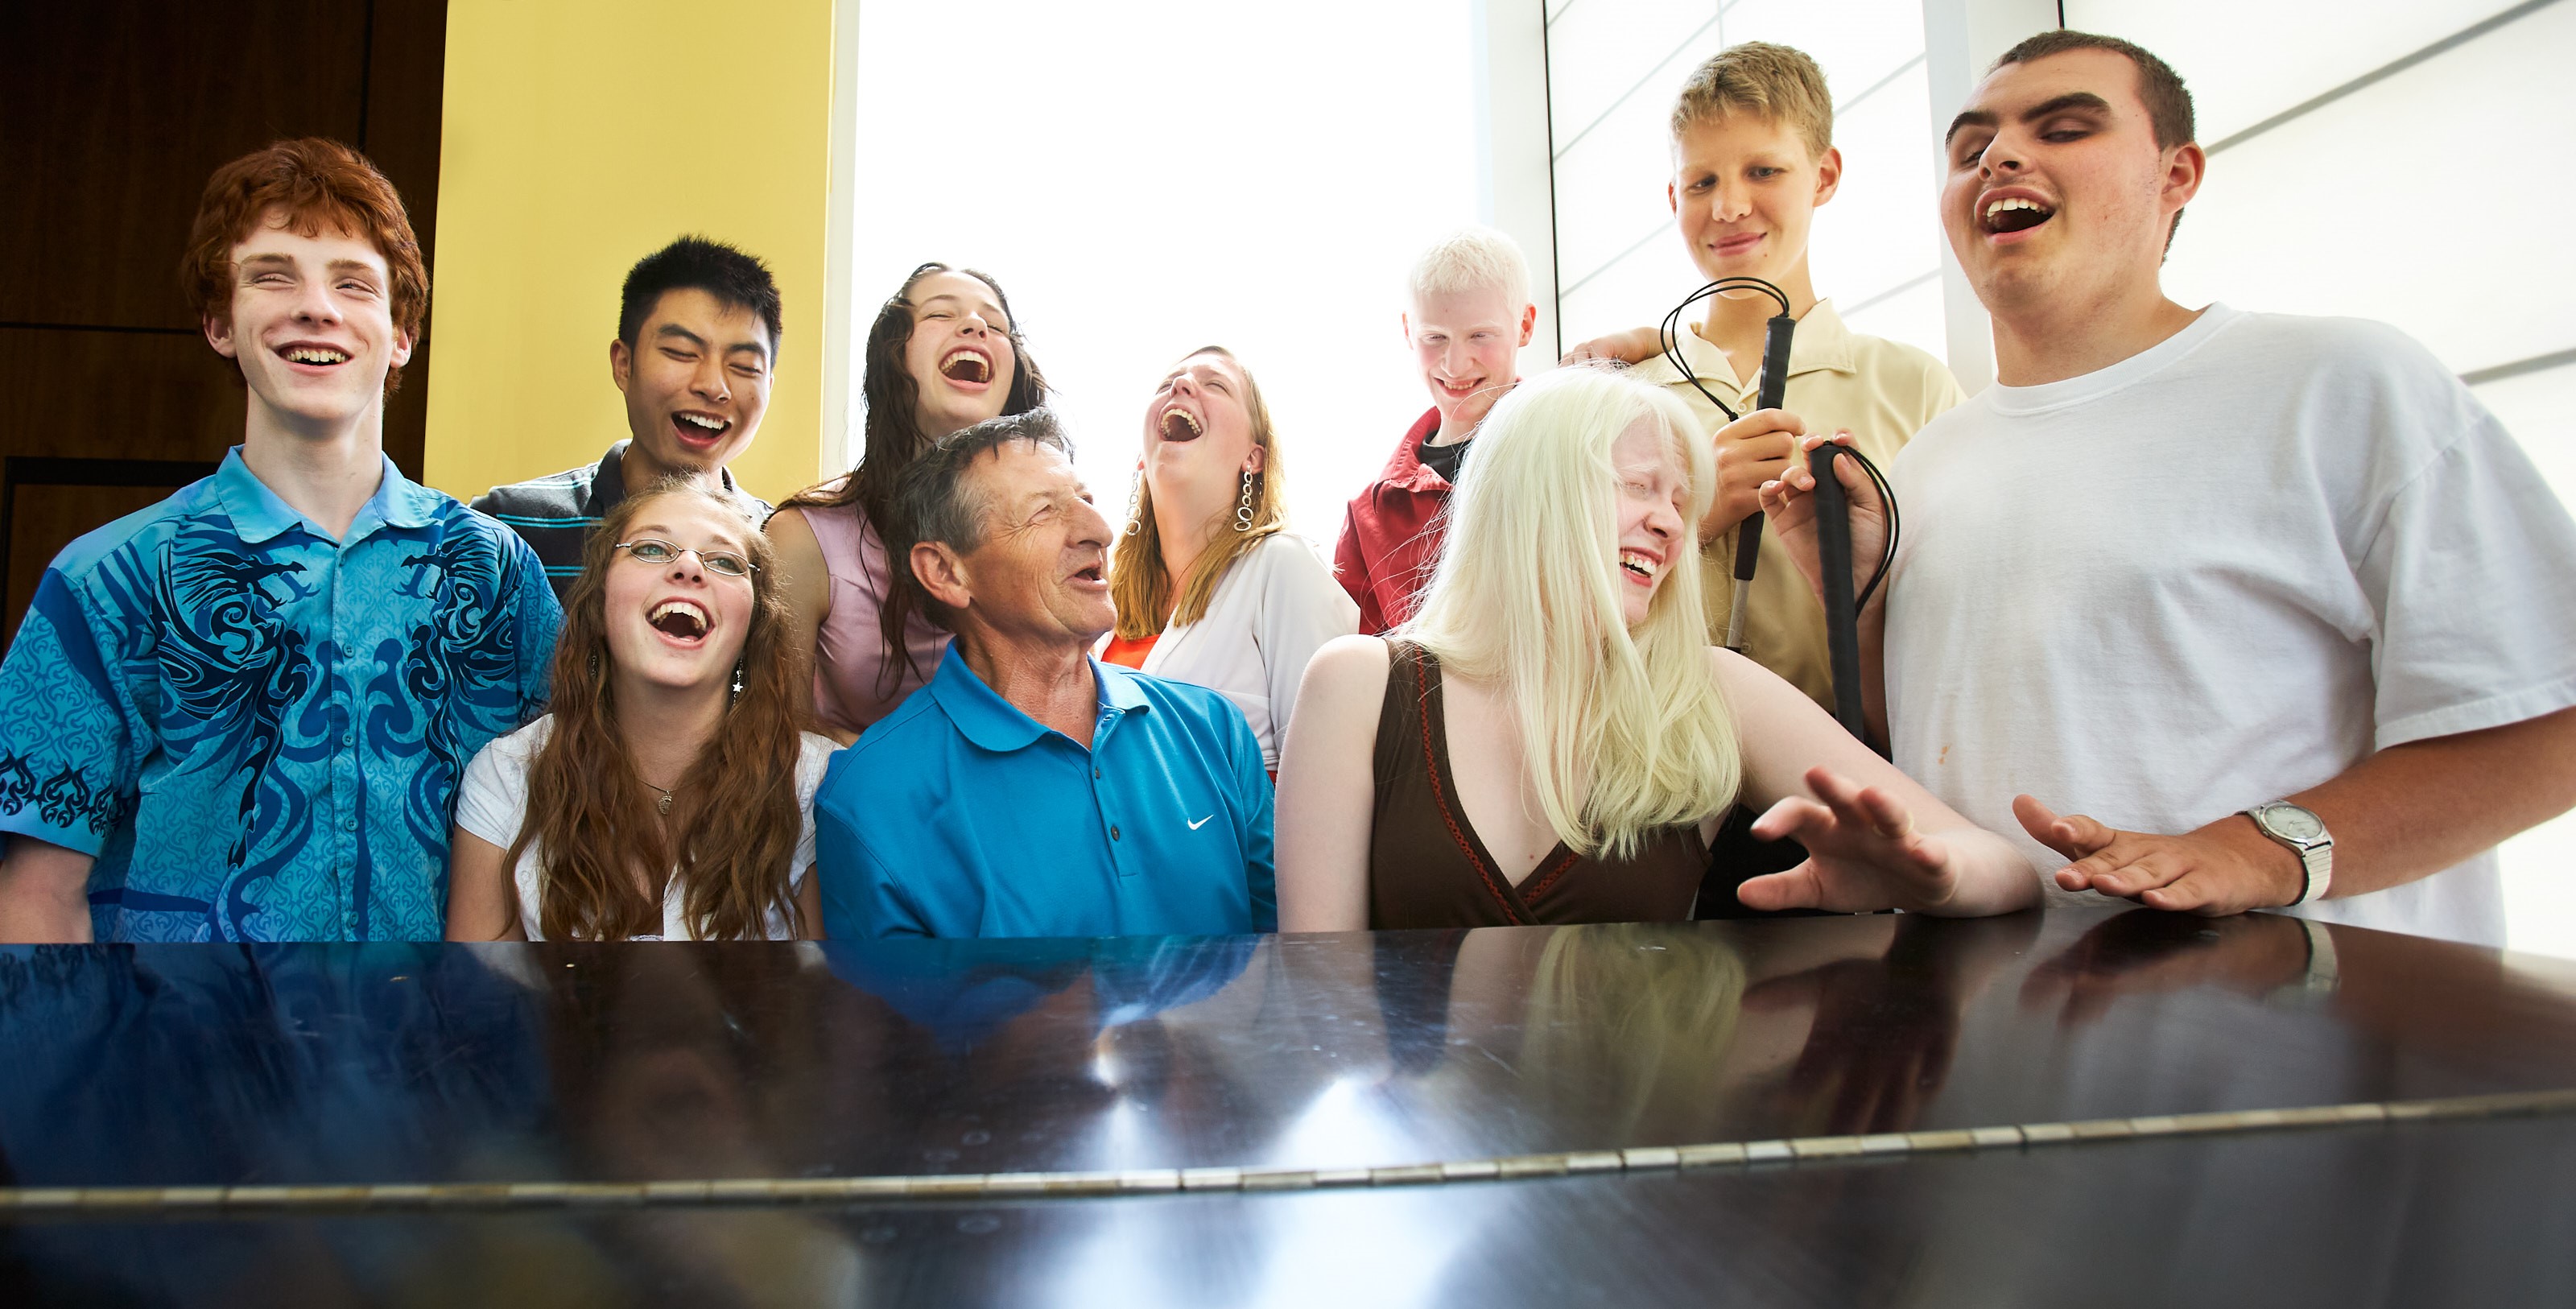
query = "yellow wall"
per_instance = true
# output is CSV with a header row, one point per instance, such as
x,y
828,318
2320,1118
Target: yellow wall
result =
x,y
582,135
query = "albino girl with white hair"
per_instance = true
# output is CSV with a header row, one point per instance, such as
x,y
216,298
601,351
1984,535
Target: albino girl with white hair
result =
x,y
1551,740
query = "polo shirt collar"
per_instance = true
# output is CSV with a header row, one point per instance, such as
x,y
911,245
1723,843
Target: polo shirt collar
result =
x,y
1405,468
1118,689
983,717
259,514
1820,344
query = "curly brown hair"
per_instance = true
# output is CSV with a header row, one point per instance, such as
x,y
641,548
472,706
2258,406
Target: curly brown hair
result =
x,y
320,184
732,834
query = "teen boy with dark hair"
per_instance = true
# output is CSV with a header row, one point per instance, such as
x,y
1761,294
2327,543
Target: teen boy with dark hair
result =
x,y
241,714
697,336
2278,586
1753,158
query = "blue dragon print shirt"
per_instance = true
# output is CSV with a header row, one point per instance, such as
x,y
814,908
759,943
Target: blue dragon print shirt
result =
x,y
256,730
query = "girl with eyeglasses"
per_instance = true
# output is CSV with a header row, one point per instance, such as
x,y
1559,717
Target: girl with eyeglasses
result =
x,y
669,794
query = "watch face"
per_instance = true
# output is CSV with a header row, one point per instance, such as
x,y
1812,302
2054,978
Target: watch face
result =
x,y
2293,822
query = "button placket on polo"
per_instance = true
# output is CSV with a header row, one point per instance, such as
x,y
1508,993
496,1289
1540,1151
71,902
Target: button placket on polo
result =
x,y
345,778
1105,798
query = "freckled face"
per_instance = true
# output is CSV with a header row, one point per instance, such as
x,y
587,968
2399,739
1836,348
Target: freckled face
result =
x,y
312,324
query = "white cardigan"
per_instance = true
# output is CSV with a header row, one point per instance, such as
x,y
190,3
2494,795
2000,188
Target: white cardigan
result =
x,y
1271,611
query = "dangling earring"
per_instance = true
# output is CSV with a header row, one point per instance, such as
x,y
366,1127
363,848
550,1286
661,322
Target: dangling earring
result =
x,y
1243,507
737,683
1135,500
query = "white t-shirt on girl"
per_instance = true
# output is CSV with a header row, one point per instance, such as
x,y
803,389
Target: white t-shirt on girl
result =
x,y
2220,572
1272,610
492,802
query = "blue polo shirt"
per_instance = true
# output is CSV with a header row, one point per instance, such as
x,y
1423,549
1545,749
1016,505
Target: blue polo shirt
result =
x,y
958,815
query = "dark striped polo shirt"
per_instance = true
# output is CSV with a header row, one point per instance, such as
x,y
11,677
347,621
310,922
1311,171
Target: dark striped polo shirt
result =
x,y
555,514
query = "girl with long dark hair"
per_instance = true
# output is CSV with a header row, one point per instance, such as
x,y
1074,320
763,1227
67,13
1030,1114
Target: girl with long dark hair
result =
x,y
943,355
669,794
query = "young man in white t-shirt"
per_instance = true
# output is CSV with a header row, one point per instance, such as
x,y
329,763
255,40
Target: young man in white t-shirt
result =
x,y
2277,586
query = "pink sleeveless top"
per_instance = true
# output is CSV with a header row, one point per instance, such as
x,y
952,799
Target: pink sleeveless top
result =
x,y
853,683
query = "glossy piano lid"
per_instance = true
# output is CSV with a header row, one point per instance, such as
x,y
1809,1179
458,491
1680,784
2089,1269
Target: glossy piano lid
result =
x,y
295,1066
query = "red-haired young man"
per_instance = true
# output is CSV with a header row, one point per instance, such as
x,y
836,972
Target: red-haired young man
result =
x,y
241,714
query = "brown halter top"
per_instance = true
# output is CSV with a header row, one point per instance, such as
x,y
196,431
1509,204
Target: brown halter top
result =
x,y
1428,868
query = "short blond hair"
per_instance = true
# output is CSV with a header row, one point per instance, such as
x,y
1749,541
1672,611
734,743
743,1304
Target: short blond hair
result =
x,y
1768,81
1472,259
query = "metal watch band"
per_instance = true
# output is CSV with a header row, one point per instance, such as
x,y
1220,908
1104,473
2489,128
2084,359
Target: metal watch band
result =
x,y
2318,861
2316,857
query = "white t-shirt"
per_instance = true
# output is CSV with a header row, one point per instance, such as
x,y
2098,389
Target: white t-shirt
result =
x,y
1269,614
492,802
2219,572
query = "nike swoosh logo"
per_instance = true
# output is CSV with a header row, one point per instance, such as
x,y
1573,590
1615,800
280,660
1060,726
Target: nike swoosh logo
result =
x,y
1201,823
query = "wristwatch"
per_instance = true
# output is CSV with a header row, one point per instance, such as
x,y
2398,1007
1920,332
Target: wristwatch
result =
x,y
2304,832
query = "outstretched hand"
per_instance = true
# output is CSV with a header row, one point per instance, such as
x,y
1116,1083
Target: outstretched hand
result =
x,y
1862,853
1789,503
2226,867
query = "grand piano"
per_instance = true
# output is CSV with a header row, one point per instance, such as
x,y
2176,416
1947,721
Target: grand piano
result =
x,y
2105,1107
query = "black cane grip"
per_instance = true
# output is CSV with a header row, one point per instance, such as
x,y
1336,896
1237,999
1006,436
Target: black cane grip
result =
x,y
1775,390
1775,360
1834,557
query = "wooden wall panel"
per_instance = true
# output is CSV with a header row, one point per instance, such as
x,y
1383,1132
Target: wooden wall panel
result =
x,y
44,519
111,117
128,396
118,112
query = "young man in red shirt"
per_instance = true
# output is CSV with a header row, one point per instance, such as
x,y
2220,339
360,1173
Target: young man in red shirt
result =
x,y
1469,316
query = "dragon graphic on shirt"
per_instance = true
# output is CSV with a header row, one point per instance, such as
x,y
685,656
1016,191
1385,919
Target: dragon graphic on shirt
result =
x,y
288,785
439,693
229,667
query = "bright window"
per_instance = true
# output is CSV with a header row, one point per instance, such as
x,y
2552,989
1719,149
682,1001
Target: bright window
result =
x,y
1257,177
1614,68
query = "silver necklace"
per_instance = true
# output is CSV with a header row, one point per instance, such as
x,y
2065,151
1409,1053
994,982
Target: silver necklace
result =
x,y
665,806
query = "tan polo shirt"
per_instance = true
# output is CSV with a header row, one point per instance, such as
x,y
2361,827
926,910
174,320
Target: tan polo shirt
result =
x,y
1882,391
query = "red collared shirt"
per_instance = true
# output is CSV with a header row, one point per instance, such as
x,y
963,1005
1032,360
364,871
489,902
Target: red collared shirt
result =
x,y
1391,533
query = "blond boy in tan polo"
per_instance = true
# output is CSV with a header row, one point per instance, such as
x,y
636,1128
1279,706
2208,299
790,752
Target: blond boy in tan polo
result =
x,y
1753,156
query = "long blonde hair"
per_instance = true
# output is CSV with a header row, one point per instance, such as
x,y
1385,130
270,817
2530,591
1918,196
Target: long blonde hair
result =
x,y
1633,1024
1140,588
1624,732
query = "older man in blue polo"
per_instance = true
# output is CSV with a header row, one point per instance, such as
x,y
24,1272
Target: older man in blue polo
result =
x,y
1029,789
